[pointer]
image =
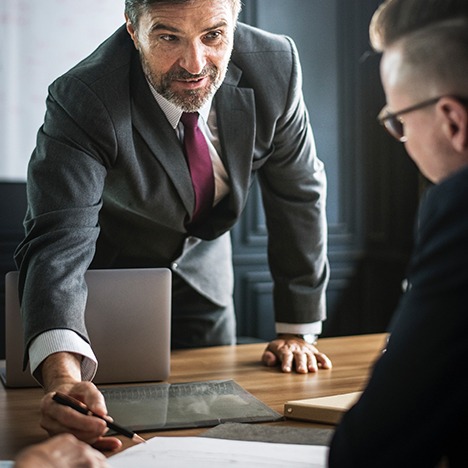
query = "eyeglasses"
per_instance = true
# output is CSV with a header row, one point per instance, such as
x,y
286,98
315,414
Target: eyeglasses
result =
x,y
394,124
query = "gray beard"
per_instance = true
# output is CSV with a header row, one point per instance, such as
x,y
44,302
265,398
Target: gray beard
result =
x,y
189,101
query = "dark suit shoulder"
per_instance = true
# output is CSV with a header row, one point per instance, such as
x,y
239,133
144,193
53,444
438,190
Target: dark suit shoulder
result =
x,y
100,83
449,196
110,57
455,186
91,102
269,64
248,39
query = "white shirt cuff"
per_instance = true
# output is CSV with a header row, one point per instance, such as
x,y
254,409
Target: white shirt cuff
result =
x,y
61,340
314,328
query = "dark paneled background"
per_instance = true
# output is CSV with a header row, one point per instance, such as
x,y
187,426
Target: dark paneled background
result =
x,y
12,210
372,185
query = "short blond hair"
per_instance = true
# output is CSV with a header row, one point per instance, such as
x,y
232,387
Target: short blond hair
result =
x,y
396,18
435,58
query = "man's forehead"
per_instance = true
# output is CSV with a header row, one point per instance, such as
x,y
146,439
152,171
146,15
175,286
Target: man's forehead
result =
x,y
211,13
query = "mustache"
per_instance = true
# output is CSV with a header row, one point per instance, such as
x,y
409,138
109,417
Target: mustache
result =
x,y
182,74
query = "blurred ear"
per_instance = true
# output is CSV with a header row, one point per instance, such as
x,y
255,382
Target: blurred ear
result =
x,y
454,122
131,30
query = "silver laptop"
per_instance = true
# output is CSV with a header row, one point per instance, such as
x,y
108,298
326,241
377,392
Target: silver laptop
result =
x,y
128,318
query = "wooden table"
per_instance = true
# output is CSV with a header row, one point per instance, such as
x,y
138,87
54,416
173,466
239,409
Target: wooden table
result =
x,y
352,358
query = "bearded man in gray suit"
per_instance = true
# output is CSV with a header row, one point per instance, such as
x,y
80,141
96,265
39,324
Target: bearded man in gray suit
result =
x,y
109,187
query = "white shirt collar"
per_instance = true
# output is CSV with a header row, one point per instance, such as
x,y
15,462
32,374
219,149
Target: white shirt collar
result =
x,y
173,113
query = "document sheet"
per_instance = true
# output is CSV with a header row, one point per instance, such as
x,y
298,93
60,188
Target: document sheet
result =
x,y
200,452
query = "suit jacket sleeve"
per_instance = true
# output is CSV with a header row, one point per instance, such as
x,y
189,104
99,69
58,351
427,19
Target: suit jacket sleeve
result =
x,y
293,186
64,199
414,409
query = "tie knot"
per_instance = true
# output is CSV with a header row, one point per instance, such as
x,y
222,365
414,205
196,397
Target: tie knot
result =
x,y
189,119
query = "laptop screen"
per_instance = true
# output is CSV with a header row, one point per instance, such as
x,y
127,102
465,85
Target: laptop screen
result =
x,y
128,318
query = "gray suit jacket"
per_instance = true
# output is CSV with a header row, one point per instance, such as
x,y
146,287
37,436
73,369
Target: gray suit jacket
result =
x,y
108,185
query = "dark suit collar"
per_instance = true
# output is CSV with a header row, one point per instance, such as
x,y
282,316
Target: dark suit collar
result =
x,y
233,75
235,111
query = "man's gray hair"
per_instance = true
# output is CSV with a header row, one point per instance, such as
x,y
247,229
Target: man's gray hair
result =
x,y
135,8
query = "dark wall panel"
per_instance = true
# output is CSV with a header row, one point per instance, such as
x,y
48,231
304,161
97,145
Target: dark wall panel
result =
x,y
12,210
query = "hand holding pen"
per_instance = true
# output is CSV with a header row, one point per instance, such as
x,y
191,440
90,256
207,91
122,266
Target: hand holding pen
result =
x,y
61,372
77,405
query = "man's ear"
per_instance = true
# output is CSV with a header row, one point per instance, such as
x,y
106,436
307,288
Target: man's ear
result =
x,y
455,122
131,30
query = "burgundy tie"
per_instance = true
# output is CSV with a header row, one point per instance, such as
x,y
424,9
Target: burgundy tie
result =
x,y
200,166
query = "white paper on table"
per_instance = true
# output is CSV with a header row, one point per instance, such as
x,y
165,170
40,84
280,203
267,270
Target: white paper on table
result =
x,y
203,452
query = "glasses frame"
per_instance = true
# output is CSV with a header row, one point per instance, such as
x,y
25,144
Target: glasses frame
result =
x,y
392,122
394,125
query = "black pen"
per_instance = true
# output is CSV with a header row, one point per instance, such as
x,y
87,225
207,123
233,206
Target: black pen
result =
x,y
77,405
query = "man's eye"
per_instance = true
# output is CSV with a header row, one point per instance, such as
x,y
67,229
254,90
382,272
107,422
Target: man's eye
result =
x,y
213,35
167,37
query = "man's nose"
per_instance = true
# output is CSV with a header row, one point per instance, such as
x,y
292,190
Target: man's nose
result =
x,y
194,58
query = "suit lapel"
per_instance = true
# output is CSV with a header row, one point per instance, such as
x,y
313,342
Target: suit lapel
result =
x,y
235,111
151,123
